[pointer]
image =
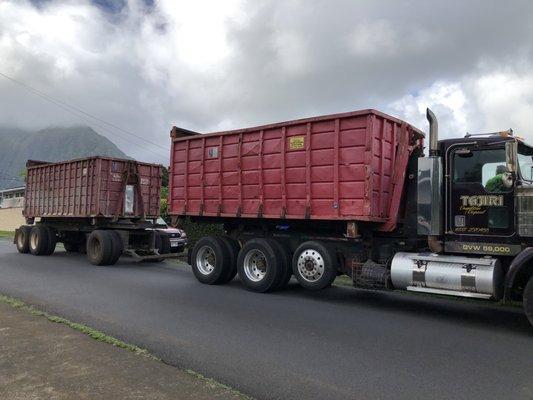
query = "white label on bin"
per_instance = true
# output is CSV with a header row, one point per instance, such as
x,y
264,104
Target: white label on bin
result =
x,y
128,199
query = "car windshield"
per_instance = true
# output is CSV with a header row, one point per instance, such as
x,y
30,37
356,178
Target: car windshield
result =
x,y
160,221
525,162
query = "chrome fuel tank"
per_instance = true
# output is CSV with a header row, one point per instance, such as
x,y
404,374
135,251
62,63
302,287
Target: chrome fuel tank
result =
x,y
452,275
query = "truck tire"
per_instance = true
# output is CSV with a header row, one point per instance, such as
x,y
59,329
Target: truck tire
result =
x,y
286,275
22,239
118,247
99,247
210,260
528,300
52,240
315,265
38,241
260,265
233,249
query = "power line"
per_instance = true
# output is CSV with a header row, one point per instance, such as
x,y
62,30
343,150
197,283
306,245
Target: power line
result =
x,y
77,111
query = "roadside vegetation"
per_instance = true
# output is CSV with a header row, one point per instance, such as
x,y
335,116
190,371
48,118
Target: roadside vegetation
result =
x,y
7,235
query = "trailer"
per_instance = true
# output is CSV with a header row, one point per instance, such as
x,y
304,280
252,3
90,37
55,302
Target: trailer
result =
x,y
104,207
355,194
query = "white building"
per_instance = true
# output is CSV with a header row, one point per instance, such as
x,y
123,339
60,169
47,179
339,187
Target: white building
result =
x,y
12,198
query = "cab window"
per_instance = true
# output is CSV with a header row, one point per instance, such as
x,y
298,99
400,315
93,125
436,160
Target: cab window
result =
x,y
484,167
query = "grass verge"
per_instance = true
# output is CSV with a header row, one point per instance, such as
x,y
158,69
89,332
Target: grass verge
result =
x,y
7,234
91,332
102,337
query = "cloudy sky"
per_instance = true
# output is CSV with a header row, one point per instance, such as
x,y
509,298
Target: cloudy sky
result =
x,y
145,65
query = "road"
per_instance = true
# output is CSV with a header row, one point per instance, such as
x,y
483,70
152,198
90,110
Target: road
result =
x,y
339,343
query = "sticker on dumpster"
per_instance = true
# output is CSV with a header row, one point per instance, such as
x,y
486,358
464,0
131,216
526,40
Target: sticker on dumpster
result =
x,y
296,142
213,152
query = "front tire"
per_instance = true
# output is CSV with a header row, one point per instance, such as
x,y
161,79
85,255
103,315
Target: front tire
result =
x,y
22,239
210,260
528,300
315,265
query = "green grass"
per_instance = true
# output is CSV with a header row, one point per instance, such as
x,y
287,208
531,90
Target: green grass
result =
x,y
343,280
102,337
7,234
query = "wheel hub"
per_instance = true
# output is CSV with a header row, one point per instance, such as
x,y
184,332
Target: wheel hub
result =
x,y
311,265
206,260
255,265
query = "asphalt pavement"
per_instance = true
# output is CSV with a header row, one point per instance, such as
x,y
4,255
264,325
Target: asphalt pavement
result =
x,y
338,343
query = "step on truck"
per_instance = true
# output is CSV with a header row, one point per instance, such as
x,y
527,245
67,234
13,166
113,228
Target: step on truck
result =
x,y
355,194
104,207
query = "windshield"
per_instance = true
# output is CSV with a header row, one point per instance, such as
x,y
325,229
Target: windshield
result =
x,y
161,221
525,162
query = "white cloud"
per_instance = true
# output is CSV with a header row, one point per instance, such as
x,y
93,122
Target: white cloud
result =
x,y
208,65
447,100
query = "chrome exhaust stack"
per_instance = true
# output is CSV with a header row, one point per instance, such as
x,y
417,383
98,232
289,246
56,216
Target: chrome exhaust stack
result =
x,y
429,190
433,132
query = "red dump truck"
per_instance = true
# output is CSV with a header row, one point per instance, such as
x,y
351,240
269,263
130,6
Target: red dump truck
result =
x,y
105,207
354,194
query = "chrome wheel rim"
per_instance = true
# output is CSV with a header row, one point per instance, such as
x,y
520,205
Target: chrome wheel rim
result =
x,y
311,265
255,265
206,260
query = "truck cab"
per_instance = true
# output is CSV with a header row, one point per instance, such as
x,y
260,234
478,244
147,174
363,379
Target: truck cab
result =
x,y
475,207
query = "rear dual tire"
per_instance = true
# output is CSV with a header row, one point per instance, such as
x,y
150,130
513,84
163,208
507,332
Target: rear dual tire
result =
x,y
22,239
263,265
41,241
211,260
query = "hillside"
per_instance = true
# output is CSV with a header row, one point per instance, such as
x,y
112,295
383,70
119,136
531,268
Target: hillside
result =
x,y
50,144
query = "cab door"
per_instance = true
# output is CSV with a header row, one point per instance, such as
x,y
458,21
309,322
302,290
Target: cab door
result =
x,y
479,203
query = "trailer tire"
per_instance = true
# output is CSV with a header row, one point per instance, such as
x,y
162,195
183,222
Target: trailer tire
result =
x,y
260,265
528,300
52,240
314,265
22,239
286,274
210,260
117,245
99,247
233,250
38,241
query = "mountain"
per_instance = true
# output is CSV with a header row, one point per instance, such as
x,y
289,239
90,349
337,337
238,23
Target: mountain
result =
x,y
50,144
